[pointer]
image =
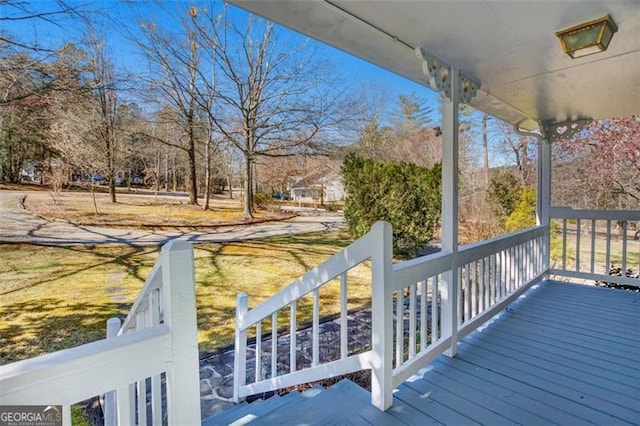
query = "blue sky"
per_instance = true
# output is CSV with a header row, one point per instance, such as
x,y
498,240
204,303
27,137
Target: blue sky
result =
x,y
113,16
63,30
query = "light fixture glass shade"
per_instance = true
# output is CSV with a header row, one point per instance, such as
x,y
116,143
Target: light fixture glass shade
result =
x,y
588,38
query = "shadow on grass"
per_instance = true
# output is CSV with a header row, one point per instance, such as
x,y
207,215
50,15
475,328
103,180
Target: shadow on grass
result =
x,y
133,260
46,324
51,324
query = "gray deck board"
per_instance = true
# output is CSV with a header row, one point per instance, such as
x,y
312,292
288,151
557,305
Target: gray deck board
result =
x,y
470,408
560,383
587,343
598,366
467,388
543,361
562,354
431,407
510,392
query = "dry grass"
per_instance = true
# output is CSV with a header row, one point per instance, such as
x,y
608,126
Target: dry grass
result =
x,y
136,211
600,252
57,297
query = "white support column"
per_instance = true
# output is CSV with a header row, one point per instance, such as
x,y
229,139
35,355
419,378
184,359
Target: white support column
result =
x,y
179,298
450,127
382,320
543,204
544,182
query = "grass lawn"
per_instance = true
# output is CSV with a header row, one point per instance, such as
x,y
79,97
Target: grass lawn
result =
x,y
57,297
600,252
135,210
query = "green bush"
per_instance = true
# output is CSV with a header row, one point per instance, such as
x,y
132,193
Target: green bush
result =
x,y
406,195
79,416
524,211
503,193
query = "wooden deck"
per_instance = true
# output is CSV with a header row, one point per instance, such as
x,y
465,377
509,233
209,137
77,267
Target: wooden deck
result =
x,y
562,354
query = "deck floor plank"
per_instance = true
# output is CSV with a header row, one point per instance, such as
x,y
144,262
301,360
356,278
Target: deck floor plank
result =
x,y
550,404
410,415
620,352
515,394
562,353
431,407
456,398
573,327
596,322
546,359
557,384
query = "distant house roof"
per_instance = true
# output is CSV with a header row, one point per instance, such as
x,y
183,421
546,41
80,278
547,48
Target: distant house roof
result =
x,y
315,180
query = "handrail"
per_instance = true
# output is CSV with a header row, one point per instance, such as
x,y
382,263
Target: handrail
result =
x,y
491,274
107,363
502,269
571,213
331,268
476,251
592,229
158,338
141,304
336,266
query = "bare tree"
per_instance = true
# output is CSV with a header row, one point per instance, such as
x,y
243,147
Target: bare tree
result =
x,y
274,97
23,12
86,125
102,78
408,135
176,61
518,149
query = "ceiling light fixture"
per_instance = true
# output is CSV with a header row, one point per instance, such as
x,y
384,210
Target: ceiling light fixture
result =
x,y
588,38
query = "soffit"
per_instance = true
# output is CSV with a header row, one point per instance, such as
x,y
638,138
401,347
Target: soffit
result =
x,y
510,47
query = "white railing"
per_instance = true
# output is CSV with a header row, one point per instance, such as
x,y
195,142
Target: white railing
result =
x,y
592,242
413,308
156,349
285,371
488,276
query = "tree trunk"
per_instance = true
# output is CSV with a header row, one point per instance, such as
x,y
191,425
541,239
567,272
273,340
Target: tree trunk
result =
x,y
174,175
112,189
193,184
207,175
111,164
485,148
157,183
248,189
93,196
166,171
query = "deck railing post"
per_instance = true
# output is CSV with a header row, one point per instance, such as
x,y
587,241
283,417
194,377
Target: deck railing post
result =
x,y
183,376
240,349
110,408
382,317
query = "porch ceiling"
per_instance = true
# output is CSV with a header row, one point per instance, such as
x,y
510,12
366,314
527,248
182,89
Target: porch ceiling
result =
x,y
510,47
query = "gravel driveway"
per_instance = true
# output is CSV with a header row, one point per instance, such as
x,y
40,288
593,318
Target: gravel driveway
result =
x,y
19,226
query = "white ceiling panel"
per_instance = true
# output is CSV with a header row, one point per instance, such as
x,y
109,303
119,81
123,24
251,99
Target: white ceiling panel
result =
x,y
510,47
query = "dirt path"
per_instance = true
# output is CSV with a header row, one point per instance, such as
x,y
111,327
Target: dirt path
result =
x,y
18,226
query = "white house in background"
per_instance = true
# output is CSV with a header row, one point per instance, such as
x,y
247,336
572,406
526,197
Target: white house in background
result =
x,y
318,187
